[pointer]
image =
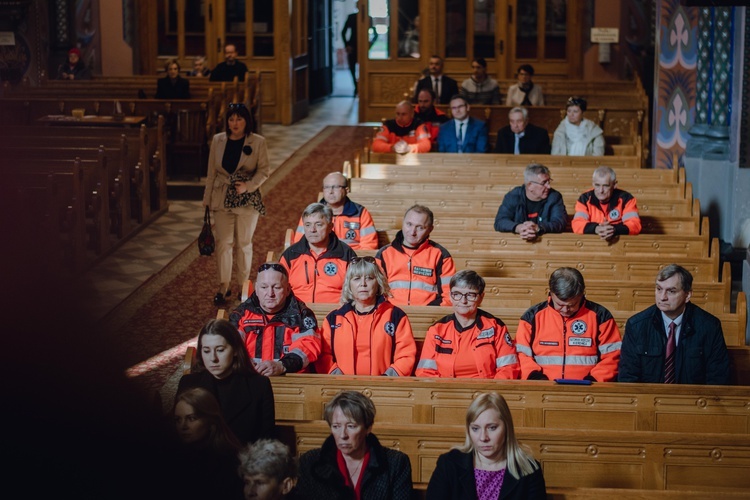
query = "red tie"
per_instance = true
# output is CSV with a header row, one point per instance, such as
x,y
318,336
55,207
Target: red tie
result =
x,y
669,360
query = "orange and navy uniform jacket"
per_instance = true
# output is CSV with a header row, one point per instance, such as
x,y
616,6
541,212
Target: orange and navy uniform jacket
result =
x,y
621,212
353,226
417,276
432,120
584,346
379,342
317,278
415,134
482,350
291,335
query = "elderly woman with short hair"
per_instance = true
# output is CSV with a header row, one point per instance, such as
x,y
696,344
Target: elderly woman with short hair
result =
x,y
352,463
469,343
367,335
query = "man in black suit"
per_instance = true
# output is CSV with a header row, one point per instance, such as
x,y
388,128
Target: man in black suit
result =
x,y
444,87
520,137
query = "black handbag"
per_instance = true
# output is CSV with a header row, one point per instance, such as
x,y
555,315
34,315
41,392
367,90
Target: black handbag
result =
x,y
206,241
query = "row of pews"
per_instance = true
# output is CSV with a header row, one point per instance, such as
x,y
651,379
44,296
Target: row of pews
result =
x,y
82,190
630,440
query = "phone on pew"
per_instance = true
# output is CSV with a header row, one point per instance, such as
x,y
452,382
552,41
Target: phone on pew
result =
x,y
572,381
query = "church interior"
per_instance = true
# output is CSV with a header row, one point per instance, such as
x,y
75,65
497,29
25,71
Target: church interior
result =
x,y
103,201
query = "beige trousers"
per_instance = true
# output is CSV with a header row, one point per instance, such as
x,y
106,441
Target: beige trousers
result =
x,y
228,224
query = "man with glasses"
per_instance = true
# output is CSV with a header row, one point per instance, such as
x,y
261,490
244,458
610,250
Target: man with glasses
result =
x,y
352,223
281,333
231,67
470,343
567,336
404,134
444,86
317,263
462,134
520,137
534,208
605,210
418,269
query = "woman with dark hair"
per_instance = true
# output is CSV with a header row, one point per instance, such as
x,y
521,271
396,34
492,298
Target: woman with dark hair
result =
x,y
576,135
367,335
209,448
525,92
237,166
224,369
172,86
352,464
491,463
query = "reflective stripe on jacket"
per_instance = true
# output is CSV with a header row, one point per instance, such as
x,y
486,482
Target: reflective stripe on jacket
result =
x,y
415,134
586,344
492,350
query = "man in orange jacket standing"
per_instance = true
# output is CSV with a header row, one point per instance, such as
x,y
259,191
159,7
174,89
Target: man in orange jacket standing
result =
x,y
568,336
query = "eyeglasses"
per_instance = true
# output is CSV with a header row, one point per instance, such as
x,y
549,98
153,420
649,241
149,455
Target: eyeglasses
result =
x,y
366,258
546,183
236,105
272,265
469,296
331,188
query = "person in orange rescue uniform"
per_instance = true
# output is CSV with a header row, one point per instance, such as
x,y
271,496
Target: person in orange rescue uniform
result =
x,y
470,343
352,223
606,210
419,270
367,335
317,263
568,336
405,134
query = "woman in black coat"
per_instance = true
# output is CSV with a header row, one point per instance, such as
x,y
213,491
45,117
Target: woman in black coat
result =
x,y
172,86
491,464
224,369
352,464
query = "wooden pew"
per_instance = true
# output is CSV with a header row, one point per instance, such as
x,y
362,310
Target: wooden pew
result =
x,y
577,458
464,165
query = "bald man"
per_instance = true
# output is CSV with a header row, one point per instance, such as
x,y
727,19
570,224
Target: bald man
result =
x,y
405,134
352,223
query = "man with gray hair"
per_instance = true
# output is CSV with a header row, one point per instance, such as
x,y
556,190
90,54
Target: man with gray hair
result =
x,y
317,263
520,137
567,336
534,208
606,210
674,341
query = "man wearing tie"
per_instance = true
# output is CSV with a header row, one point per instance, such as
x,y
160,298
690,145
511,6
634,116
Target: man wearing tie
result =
x,y
674,341
520,137
444,87
462,134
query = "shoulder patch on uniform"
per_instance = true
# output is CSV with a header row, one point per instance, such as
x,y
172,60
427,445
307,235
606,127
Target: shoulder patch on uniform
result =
x,y
309,323
486,334
330,269
390,328
614,214
579,327
351,234
508,340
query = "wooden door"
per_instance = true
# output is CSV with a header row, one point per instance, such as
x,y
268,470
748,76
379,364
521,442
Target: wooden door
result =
x,y
300,59
320,28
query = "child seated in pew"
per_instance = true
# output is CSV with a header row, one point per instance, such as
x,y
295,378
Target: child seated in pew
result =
x,y
491,463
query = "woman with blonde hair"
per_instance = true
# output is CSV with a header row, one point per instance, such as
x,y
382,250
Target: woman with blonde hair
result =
x,y
367,335
491,464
